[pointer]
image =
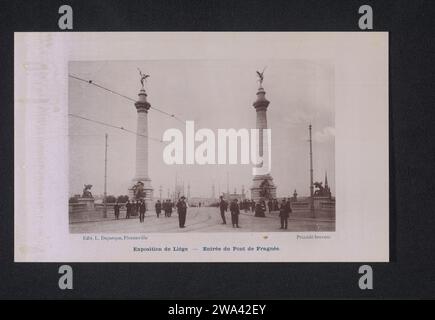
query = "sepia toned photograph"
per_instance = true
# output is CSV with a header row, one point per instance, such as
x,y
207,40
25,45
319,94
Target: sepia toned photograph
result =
x,y
121,116
201,147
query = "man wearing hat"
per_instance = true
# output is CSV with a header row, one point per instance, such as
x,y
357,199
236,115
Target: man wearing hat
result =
x,y
142,210
284,213
223,206
182,210
235,211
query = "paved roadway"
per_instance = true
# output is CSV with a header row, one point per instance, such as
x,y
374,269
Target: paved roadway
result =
x,y
203,219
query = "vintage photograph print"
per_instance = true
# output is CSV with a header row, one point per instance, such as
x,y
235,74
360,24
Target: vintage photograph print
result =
x,y
201,147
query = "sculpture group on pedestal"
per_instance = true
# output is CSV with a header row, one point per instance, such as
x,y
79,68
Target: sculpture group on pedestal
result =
x,y
321,191
87,191
87,197
138,191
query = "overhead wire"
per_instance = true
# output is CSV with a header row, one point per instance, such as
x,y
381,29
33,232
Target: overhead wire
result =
x,y
93,83
113,126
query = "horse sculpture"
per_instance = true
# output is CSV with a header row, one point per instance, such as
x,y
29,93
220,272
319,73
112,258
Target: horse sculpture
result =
x,y
86,191
321,191
138,190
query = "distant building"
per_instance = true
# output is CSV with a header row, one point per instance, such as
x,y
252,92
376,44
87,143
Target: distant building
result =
x,y
205,201
231,196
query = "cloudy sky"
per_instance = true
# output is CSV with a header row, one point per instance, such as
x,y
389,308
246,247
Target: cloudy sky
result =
x,y
215,94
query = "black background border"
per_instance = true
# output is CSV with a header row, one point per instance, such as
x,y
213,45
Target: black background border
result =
x,y
411,272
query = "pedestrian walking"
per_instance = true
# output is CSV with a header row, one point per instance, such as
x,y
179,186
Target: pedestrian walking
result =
x,y
235,211
182,211
270,205
142,210
284,212
129,207
223,207
137,208
158,208
170,208
116,210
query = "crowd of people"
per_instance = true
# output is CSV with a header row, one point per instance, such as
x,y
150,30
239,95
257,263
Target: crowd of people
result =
x,y
139,208
259,208
166,206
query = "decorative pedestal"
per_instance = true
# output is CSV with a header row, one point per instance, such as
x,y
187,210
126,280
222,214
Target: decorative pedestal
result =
x,y
148,192
89,202
263,188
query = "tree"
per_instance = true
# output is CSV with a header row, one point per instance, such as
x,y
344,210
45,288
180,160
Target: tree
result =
x,y
110,199
122,199
73,199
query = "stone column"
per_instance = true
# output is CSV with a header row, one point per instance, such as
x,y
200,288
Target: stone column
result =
x,y
141,175
259,181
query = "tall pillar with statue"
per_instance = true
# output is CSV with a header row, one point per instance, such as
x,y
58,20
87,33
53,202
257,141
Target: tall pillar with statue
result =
x,y
263,187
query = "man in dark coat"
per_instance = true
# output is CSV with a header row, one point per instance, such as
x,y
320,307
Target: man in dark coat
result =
x,y
165,207
133,208
182,211
270,205
223,207
168,208
275,205
128,206
171,207
158,208
116,210
246,205
235,211
284,213
137,207
142,210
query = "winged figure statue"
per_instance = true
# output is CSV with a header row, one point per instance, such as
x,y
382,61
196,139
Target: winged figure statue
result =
x,y
143,77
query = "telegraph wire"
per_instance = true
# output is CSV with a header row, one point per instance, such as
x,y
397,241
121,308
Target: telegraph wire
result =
x,y
113,126
91,82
